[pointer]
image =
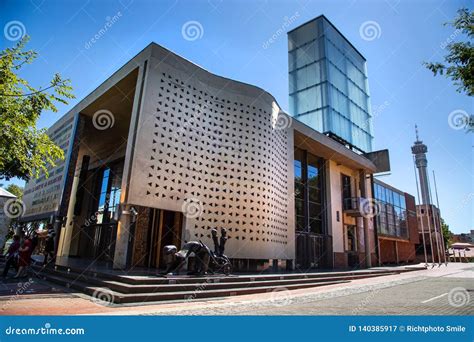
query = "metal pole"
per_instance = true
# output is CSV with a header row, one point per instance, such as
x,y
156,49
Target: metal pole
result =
x,y
436,227
421,219
439,219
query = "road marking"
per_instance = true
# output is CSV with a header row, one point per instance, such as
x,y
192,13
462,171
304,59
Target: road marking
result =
x,y
429,300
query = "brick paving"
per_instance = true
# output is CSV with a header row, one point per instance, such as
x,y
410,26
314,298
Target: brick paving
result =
x,y
415,293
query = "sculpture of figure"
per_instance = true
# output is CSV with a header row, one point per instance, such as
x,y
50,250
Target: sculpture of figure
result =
x,y
204,258
176,259
223,241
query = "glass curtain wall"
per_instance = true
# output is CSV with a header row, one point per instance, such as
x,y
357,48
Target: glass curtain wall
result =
x,y
392,219
308,193
328,83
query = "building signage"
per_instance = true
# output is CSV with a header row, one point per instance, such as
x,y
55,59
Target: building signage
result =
x,y
42,196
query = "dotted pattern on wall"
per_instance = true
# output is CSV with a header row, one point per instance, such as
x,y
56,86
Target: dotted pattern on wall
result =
x,y
223,155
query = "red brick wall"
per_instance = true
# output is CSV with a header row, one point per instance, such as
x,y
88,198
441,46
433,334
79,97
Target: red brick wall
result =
x,y
340,260
387,251
406,252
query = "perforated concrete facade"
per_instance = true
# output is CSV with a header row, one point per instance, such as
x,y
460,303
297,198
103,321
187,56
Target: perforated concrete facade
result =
x,y
219,151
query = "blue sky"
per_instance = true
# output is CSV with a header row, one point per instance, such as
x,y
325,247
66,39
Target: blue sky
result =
x,y
403,92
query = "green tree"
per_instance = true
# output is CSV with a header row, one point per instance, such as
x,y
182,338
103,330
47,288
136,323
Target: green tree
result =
x,y
15,190
458,64
447,234
26,151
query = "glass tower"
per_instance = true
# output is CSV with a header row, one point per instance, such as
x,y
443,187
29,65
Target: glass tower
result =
x,y
328,83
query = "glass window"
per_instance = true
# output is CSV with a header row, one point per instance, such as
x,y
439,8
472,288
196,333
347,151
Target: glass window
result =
x,y
302,35
298,171
351,238
299,206
300,223
313,119
308,100
316,226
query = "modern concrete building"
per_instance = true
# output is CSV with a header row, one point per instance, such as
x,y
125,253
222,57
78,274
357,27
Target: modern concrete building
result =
x,y
163,151
328,84
396,223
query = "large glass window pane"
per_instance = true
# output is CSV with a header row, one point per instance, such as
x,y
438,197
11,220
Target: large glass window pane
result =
x,y
308,100
316,226
300,223
313,119
314,195
298,171
303,35
299,207
339,101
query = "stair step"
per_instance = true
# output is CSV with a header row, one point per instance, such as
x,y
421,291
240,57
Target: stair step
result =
x,y
121,298
128,288
134,289
211,284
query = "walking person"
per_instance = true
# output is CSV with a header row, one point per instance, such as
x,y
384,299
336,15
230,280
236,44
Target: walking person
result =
x,y
24,257
49,248
12,255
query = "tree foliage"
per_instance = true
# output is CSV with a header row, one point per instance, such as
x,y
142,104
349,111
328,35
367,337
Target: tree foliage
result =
x,y
26,151
458,64
15,190
447,234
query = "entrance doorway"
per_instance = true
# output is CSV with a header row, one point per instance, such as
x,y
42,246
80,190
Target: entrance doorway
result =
x,y
165,229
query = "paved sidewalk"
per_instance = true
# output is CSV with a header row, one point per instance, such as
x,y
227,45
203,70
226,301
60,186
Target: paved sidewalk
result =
x,y
422,292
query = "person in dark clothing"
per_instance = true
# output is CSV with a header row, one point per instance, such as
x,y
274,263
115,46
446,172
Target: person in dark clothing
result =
x,y
49,248
12,255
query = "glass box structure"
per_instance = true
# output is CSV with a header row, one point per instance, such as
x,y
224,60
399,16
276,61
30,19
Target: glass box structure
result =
x,y
328,88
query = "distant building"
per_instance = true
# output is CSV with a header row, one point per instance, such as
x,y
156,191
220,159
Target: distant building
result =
x,y
396,223
7,212
429,216
463,237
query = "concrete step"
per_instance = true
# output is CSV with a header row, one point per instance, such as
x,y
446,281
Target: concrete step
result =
x,y
138,289
159,280
208,284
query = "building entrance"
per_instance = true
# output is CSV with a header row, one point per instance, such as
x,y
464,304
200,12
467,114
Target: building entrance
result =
x,y
165,229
